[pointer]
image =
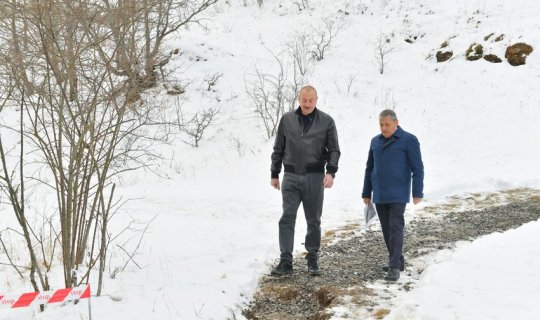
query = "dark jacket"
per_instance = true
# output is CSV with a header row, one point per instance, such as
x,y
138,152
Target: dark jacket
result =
x,y
305,151
389,168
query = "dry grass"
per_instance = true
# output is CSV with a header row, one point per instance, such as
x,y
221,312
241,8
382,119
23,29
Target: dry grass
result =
x,y
326,295
381,313
341,233
478,201
285,293
330,234
360,296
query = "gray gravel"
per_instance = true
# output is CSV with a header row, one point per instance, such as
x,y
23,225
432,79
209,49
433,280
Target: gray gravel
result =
x,y
350,264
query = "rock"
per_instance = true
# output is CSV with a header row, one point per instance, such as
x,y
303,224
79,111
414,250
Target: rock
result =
x,y
492,58
516,54
443,56
474,52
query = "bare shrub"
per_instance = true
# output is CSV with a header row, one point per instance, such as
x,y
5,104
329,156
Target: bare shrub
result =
x,y
301,4
211,80
382,48
197,125
323,38
302,66
77,72
268,94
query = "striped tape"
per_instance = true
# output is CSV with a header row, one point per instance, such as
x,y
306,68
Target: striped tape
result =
x,y
45,297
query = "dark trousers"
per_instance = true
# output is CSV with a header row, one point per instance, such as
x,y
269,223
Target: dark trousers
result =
x,y
307,189
392,223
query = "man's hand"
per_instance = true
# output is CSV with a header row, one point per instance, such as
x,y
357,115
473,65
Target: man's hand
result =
x,y
328,181
416,200
274,182
367,201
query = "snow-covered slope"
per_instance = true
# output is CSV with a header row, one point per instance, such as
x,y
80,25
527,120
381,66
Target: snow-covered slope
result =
x,y
215,229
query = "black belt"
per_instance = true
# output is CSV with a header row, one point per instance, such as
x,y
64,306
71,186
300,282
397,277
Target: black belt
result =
x,y
316,168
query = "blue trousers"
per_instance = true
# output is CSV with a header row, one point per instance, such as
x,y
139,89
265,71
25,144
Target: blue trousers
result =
x,y
392,223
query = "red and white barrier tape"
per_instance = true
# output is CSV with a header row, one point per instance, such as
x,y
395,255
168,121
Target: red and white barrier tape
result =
x,y
45,297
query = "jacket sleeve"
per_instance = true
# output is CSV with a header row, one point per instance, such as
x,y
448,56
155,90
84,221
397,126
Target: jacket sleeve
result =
x,y
368,187
332,148
417,167
279,151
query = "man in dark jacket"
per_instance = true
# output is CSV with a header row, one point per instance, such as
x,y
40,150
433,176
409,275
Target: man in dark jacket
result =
x,y
306,142
394,157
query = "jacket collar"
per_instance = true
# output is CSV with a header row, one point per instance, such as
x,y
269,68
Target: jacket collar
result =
x,y
311,115
398,133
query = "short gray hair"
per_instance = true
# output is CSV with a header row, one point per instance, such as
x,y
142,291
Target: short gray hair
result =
x,y
307,88
386,113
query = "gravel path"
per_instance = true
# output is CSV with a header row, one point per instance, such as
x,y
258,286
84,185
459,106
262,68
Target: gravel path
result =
x,y
349,265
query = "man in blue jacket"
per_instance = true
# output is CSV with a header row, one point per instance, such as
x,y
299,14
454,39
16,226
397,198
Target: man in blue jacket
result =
x,y
394,158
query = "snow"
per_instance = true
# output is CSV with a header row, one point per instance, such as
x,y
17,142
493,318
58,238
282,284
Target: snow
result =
x,y
494,277
215,215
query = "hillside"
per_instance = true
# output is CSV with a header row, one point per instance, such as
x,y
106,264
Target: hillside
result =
x,y
213,214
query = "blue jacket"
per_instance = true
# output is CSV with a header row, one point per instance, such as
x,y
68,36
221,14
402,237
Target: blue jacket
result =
x,y
391,164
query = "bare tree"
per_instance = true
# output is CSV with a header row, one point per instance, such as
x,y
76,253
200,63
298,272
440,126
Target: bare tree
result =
x,y
273,93
139,28
77,72
301,4
269,95
211,80
382,49
349,82
302,66
323,38
196,127
13,186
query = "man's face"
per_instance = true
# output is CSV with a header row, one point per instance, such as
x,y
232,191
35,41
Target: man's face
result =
x,y
308,100
388,126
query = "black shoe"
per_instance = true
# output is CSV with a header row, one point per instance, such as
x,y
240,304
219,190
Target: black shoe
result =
x,y
401,268
313,268
392,275
284,267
